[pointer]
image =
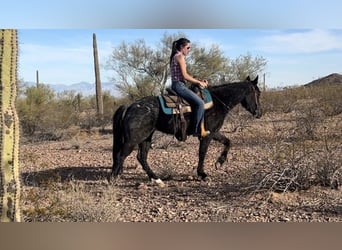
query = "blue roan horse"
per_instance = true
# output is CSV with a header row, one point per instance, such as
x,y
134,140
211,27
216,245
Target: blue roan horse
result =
x,y
135,124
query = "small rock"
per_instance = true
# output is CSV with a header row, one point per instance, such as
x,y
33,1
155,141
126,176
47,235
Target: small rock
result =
x,y
142,187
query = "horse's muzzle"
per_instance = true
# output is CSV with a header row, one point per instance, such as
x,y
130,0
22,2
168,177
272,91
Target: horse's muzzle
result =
x,y
258,113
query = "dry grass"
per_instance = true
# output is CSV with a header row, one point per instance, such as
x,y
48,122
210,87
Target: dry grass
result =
x,y
73,202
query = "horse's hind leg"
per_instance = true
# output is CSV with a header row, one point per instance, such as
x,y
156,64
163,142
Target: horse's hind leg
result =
x,y
117,163
119,157
144,147
118,140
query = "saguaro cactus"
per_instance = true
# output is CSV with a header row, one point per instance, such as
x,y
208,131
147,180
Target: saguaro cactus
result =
x,y
9,128
99,101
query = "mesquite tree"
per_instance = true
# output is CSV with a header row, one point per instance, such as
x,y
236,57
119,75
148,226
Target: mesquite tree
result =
x,y
9,124
141,69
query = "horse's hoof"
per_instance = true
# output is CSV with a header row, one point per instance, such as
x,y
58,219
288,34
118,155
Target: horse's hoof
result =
x,y
159,182
203,176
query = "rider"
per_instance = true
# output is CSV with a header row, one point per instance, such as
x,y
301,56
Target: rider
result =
x,y
179,74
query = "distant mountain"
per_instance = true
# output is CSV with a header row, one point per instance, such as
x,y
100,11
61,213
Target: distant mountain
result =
x,y
85,88
327,80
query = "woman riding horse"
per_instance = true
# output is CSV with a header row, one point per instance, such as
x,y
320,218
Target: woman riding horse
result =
x,y
135,124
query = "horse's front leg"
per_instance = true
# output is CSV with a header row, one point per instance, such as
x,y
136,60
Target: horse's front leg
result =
x,y
203,148
144,147
226,142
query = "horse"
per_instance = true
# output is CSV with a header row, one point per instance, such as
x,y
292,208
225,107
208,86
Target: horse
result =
x,y
135,124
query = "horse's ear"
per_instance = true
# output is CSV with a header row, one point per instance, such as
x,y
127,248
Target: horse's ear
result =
x,y
255,81
248,79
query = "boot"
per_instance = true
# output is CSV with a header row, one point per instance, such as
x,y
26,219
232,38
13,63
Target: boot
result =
x,y
204,133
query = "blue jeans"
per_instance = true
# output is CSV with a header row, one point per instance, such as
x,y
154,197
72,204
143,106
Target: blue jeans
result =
x,y
197,104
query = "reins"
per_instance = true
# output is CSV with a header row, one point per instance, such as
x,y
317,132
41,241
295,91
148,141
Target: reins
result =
x,y
224,105
228,108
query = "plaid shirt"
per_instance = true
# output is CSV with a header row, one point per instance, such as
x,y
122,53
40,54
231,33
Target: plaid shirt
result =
x,y
176,74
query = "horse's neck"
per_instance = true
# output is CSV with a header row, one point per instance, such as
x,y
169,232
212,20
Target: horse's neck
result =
x,y
229,95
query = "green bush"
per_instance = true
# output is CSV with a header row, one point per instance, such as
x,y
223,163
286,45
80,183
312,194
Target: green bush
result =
x,y
47,114
34,108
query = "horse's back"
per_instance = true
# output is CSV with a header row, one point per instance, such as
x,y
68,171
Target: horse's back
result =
x,y
143,108
140,118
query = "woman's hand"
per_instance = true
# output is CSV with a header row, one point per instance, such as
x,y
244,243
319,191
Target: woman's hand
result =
x,y
203,83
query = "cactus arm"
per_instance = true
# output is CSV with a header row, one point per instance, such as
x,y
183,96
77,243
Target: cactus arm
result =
x,y
9,128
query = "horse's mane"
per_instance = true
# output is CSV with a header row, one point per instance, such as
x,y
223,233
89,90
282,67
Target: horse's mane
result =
x,y
230,85
233,92
230,88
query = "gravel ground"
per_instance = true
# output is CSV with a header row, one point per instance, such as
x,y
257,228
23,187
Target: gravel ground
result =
x,y
67,180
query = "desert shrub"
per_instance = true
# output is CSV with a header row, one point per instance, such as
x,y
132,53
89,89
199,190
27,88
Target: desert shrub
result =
x,y
306,123
325,98
89,117
299,165
34,107
109,105
328,165
286,169
44,114
329,99
63,112
281,100
305,152
71,202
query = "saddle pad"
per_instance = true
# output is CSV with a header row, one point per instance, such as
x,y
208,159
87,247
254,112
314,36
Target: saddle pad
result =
x,y
168,103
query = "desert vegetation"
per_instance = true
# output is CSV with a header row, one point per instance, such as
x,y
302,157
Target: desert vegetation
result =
x,y
285,166
48,115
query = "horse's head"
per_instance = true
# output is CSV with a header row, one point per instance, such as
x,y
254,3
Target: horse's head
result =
x,y
251,101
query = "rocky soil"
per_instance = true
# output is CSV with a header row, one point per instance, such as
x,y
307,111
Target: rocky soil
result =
x,y
67,180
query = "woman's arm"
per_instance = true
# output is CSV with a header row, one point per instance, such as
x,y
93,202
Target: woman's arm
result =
x,y
181,60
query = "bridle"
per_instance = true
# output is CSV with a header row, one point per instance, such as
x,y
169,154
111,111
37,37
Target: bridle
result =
x,y
256,97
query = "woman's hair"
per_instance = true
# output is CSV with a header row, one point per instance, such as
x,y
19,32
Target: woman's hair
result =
x,y
178,45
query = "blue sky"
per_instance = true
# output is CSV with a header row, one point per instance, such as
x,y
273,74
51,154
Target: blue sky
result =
x,y
171,14
294,57
300,39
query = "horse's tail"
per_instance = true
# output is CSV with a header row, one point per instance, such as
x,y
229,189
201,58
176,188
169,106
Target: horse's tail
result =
x,y
118,138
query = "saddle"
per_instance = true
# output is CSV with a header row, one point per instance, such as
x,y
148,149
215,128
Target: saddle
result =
x,y
172,104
